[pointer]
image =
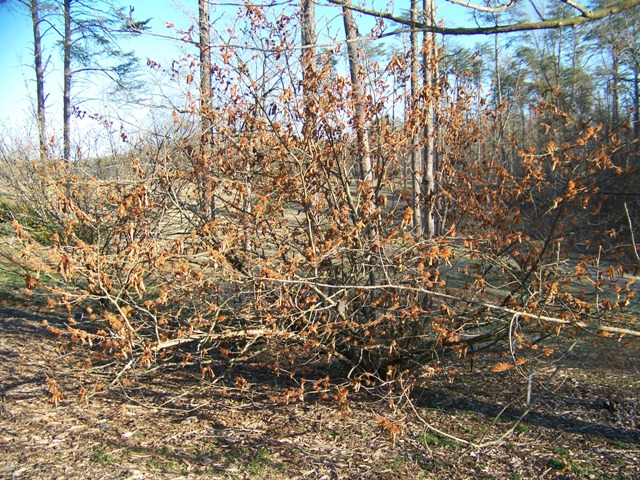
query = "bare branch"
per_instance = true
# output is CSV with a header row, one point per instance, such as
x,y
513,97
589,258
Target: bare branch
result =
x,y
633,238
226,336
586,17
480,8
468,301
578,7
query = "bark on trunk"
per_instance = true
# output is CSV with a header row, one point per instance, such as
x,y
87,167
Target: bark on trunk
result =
x,y
429,75
615,117
362,140
355,70
66,94
206,135
636,109
417,164
205,72
308,24
39,68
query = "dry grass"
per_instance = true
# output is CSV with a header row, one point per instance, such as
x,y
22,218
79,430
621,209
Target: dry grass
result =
x,y
172,423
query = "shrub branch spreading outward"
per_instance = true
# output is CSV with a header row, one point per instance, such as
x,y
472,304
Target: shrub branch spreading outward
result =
x,y
275,236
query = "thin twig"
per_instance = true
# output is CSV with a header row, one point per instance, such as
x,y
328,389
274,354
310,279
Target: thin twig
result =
x,y
479,303
633,238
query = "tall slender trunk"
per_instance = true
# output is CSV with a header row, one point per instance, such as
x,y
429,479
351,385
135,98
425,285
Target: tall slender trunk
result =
x,y
205,72
310,99
308,33
615,100
558,74
636,107
615,117
429,76
355,70
496,61
502,114
575,67
66,94
206,135
247,208
417,165
39,68
362,141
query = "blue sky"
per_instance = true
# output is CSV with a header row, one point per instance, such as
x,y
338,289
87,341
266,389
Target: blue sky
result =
x,y
16,70
14,35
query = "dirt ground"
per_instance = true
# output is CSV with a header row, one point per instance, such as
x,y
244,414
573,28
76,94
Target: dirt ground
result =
x,y
174,424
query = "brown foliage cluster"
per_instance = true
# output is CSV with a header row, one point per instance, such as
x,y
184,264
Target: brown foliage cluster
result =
x,y
271,236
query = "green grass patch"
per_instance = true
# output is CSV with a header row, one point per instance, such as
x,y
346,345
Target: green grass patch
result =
x,y
563,452
577,469
41,229
556,463
11,280
399,462
619,444
522,428
166,450
162,464
259,462
437,440
101,456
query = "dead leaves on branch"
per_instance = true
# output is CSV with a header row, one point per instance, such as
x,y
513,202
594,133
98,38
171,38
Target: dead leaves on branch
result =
x,y
274,239
55,395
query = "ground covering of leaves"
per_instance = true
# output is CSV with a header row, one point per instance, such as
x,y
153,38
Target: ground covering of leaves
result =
x,y
251,423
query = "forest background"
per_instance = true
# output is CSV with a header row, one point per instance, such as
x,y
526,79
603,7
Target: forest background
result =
x,y
333,188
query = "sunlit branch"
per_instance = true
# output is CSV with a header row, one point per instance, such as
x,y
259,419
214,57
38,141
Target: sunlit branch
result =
x,y
468,301
578,7
468,4
586,17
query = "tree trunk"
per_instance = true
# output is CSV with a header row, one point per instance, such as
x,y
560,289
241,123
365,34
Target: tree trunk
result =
x,y
636,108
307,27
429,75
39,68
417,165
205,73
355,70
615,117
66,94
362,141
206,135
